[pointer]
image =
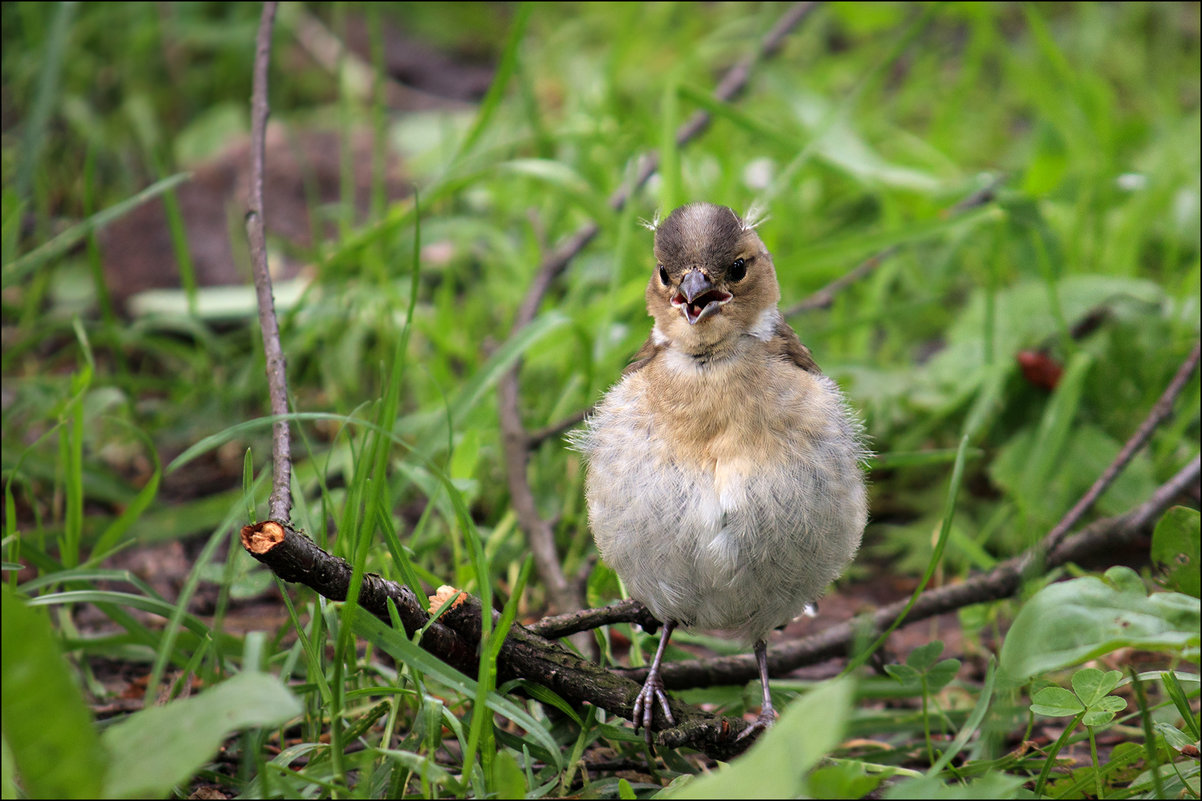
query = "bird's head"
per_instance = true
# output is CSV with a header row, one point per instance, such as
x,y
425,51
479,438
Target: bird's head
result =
x,y
713,278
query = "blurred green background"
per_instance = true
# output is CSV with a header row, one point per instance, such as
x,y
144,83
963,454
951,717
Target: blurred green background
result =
x,y
493,132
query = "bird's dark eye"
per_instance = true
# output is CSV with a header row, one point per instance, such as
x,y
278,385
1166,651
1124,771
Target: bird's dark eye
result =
x,y
738,270
663,275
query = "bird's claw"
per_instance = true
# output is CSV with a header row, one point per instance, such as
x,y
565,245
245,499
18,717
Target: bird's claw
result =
x,y
761,724
644,704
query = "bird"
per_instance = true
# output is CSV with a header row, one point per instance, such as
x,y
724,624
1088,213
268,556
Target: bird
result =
x,y
724,471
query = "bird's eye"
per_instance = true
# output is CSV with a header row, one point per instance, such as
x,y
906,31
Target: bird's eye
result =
x,y
663,275
738,270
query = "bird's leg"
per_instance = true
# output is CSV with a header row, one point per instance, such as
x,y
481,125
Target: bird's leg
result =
x,y
767,713
653,690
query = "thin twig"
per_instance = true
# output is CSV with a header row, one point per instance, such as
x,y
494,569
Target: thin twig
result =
x,y
545,433
515,439
628,611
357,73
826,296
277,383
1160,412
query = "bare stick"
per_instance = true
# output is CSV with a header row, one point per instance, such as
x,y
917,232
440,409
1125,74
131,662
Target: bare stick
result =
x,y
628,611
277,383
515,439
1160,412
826,296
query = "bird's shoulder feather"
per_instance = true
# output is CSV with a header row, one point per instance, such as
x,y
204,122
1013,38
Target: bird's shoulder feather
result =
x,y
641,359
785,341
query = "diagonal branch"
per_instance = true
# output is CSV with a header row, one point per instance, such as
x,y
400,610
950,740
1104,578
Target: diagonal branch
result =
x,y
514,438
1160,412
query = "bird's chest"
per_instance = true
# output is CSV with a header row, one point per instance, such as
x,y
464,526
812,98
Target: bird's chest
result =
x,y
722,452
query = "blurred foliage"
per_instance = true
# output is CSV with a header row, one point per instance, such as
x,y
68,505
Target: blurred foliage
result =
x,y
1080,122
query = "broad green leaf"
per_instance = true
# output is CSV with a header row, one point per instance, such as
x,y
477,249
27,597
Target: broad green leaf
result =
x,y
1104,711
931,788
924,656
508,778
848,779
1056,702
158,747
1092,685
1175,737
47,726
941,674
1070,622
1175,549
905,674
776,766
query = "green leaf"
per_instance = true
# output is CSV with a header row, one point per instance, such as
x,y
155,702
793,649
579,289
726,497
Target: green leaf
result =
x,y
1104,711
931,788
1175,737
905,674
46,723
1056,702
508,778
16,270
776,766
1092,685
1175,549
1070,622
924,656
158,747
941,674
848,779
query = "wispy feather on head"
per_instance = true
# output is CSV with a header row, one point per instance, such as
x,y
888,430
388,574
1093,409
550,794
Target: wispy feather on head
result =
x,y
755,216
652,224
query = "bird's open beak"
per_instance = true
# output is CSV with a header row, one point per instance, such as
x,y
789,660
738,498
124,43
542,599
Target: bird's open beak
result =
x,y
697,298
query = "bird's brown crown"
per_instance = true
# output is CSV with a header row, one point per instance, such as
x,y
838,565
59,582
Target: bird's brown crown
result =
x,y
713,279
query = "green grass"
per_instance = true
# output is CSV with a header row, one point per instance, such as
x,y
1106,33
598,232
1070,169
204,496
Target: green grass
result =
x,y
864,130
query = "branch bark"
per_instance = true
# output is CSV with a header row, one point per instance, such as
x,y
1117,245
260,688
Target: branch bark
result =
x,y
280,504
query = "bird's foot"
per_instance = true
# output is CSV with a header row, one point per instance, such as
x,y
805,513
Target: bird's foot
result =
x,y
761,724
644,704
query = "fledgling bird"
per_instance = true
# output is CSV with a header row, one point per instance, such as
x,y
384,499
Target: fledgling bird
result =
x,y
724,482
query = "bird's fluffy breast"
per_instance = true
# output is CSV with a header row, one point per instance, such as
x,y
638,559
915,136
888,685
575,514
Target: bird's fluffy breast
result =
x,y
727,499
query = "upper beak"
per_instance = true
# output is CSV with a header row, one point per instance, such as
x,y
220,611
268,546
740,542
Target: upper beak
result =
x,y
695,283
697,298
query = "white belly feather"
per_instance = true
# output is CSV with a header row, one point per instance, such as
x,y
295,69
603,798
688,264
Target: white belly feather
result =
x,y
741,541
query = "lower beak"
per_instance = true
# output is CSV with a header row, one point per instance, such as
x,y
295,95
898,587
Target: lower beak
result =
x,y
697,298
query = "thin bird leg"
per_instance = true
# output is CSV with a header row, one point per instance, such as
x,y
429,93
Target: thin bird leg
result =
x,y
653,690
767,713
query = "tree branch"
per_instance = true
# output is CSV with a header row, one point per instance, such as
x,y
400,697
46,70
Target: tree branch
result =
x,y
1160,412
280,505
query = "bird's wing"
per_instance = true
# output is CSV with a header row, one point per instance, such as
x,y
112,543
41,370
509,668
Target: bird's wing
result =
x,y
785,342
643,357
